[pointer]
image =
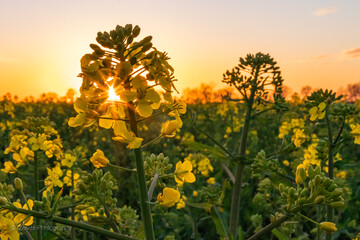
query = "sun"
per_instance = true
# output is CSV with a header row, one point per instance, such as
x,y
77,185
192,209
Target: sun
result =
x,y
112,95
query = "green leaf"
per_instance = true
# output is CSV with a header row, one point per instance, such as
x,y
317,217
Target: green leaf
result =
x,y
280,235
221,227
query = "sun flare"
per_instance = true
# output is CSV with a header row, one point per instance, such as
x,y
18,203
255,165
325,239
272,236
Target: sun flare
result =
x,y
112,95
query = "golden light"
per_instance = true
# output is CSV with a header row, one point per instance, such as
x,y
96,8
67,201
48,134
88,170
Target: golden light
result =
x,y
112,95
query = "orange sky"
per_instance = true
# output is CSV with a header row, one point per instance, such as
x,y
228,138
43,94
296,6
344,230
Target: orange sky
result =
x,y
315,43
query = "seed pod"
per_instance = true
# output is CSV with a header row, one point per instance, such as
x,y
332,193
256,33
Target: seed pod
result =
x,y
319,199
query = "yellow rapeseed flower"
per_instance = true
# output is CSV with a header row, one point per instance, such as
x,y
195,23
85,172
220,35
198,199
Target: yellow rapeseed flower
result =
x,y
52,180
67,178
181,203
169,128
9,167
99,160
355,132
183,172
8,229
195,193
23,217
169,197
286,163
317,112
211,180
299,137
68,160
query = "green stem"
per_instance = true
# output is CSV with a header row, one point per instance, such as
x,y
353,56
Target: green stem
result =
x,y
72,233
235,202
140,171
36,194
65,221
329,210
260,234
122,168
309,219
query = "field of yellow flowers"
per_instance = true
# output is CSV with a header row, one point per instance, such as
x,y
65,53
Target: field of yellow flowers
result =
x,y
128,160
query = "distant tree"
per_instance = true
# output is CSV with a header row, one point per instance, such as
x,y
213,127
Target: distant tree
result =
x,y
352,92
286,90
206,93
305,91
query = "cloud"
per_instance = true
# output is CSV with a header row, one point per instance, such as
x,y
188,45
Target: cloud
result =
x,y
325,11
352,53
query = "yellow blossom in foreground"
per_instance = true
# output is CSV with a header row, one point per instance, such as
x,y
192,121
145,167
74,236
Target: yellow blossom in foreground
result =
x,y
99,160
169,197
299,137
8,229
328,226
317,112
9,167
68,160
23,217
169,128
211,180
183,172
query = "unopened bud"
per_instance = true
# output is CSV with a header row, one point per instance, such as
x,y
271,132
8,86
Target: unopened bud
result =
x,y
3,201
338,204
328,227
319,199
18,184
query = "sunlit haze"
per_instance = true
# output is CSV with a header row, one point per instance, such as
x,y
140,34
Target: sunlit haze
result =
x,y
315,43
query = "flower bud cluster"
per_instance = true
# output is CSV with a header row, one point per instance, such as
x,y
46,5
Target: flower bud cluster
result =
x,y
320,190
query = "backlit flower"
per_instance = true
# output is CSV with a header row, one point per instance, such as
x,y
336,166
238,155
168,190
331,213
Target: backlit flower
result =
x,y
317,112
99,160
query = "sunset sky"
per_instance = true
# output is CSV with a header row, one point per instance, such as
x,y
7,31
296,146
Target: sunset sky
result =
x,y
315,43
